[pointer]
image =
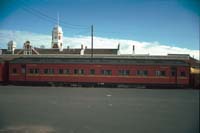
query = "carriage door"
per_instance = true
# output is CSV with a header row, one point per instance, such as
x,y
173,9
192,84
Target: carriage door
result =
x,y
23,71
174,74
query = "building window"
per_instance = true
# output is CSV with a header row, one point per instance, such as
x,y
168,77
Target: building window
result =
x,y
142,73
183,74
92,72
124,72
49,71
78,71
34,71
14,70
106,72
27,52
27,48
160,73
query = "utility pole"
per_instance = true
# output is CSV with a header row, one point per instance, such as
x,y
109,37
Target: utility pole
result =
x,y
92,42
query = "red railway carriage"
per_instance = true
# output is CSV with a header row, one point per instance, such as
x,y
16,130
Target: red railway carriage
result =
x,y
107,70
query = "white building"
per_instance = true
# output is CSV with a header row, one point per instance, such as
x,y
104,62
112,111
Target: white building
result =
x,y
11,46
57,38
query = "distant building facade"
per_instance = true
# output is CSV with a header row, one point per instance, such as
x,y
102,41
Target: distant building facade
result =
x,y
56,47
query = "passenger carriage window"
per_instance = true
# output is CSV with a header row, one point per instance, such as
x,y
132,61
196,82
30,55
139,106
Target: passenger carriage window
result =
x,y
183,74
173,74
78,71
160,73
81,71
92,72
23,70
14,70
34,71
31,71
124,72
66,71
142,73
75,71
163,73
60,71
46,71
49,71
106,72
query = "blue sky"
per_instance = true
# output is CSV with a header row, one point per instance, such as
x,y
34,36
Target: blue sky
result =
x,y
171,22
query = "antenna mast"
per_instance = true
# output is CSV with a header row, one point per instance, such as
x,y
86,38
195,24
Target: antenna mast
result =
x,y
92,42
58,18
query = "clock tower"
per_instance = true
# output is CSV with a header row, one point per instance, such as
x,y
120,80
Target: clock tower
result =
x,y
57,37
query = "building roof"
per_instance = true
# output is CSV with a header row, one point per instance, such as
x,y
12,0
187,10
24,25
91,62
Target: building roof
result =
x,y
65,51
76,51
57,28
56,51
101,51
5,51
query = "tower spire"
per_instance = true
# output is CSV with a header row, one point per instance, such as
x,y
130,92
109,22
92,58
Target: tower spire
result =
x,y
58,18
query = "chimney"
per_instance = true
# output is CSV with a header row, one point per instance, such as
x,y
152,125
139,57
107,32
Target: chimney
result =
x,y
85,47
82,50
133,50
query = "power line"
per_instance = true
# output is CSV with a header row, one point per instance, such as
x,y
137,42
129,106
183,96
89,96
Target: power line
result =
x,y
114,32
83,32
48,19
52,19
39,16
65,25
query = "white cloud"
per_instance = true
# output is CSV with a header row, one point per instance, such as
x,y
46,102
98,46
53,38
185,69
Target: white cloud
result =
x,y
21,36
152,48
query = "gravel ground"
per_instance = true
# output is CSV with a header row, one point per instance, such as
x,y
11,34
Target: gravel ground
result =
x,y
98,110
